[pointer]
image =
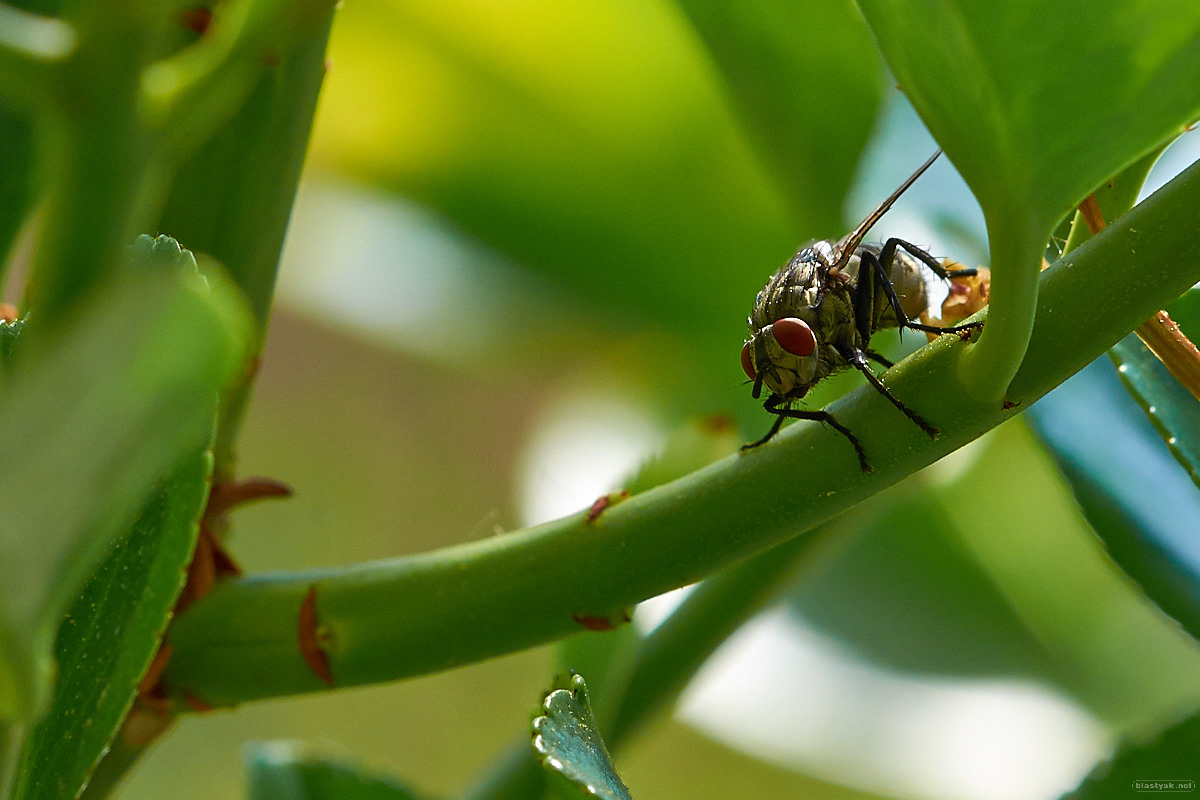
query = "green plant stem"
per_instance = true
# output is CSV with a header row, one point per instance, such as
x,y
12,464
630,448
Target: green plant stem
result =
x,y
233,198
393,619
988,366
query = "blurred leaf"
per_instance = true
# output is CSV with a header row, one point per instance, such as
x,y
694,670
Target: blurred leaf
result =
x,y
1170,758
807,81
1134,495
691,446
95,413
16,184
907,593
1036,105
279,771
614,175
129,599
568,743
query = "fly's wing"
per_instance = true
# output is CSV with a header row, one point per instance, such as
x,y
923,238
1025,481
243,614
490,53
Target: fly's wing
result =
x,y
850,242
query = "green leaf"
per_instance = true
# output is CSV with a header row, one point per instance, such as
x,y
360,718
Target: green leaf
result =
x,y
569,745
907,593
110,635
1037,104
1168,759
95,412
1134,503
785,63
279,771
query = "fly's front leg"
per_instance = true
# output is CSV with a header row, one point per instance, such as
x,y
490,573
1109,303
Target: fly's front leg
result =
x,y
859,360
775,405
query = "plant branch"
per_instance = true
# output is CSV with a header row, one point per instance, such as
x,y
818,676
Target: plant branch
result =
x,y
393,619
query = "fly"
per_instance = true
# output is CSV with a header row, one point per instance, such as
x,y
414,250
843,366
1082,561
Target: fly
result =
x,y
817,314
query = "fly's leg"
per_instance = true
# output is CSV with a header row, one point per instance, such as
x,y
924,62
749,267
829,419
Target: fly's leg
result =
x,y
881,266
858,360
879,359
775,426
773,406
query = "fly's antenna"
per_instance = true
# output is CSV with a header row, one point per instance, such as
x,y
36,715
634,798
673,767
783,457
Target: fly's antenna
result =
x,y
849,243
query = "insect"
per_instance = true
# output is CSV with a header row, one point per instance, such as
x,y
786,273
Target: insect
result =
x,y
817,314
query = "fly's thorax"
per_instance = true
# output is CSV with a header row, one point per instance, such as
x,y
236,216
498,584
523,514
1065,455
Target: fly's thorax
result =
x,y
794,287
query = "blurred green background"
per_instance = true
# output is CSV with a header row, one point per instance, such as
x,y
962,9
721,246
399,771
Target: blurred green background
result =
x,y
523,254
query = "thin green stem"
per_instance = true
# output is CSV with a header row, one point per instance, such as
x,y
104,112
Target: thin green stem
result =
x,y
393,619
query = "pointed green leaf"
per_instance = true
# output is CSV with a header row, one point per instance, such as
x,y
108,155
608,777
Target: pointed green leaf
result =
x,y
569,745
1036,104
281,771
94,413
110,635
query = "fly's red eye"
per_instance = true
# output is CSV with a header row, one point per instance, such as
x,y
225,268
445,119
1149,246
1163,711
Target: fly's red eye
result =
x,y
747,361
795,336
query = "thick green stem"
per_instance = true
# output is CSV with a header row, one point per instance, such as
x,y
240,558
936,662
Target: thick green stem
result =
x,y
988,366
232,200
392,619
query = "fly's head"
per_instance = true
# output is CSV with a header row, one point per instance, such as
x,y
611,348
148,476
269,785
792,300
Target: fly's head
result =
x,y
784,356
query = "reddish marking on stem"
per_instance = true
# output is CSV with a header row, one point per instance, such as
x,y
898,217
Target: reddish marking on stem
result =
x,y
195,703
1011,404
602,503
196,19
310,638
717,423
606,623
8,312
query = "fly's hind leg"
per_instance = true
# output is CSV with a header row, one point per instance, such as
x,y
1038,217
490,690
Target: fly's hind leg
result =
x,y
882,265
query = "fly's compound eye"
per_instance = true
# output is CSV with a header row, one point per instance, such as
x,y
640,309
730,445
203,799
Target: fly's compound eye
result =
x,y
794,336
748,361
